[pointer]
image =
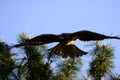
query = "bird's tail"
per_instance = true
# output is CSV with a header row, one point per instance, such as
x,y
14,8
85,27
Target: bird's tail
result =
x,y
67,50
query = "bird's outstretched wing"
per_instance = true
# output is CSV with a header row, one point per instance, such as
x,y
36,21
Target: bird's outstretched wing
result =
x,y
39,40
85,35
65,51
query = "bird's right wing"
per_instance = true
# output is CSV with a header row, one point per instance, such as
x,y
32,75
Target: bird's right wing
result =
x,y
39,40
85,35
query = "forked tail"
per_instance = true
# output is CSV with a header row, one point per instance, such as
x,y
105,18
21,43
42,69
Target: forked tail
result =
x,y
65,51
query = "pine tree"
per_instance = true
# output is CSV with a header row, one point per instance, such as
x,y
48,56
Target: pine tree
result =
x,y
102,62
68,69
7,64
33,65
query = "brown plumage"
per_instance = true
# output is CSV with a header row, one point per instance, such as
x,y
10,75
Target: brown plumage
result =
x,y
65,47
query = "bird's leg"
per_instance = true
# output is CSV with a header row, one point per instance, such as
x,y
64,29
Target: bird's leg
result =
x,y
49,61
73,59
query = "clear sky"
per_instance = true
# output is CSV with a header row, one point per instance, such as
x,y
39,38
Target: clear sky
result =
x,y
57,16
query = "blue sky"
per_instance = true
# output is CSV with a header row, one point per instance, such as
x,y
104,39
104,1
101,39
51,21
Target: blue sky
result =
x,y
57,16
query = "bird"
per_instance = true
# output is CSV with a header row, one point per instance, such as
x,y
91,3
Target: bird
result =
x,y
66,47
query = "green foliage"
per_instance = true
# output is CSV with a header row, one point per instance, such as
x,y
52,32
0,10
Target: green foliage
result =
x,y
36,63
6,61
67,69
33,65
102,61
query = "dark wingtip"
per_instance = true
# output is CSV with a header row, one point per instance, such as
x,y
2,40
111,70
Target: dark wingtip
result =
x,y
16,46
13,46
85,53
114,37
117,37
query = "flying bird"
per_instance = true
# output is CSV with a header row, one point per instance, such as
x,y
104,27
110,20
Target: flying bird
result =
x,y
66,47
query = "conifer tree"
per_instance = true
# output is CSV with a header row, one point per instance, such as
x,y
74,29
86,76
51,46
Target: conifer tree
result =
x,y
102,62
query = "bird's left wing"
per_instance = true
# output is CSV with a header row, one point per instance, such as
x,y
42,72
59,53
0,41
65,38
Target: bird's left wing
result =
x,y
85,35
39,40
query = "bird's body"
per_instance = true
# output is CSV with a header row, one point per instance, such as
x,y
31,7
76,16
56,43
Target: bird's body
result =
x,y
66,46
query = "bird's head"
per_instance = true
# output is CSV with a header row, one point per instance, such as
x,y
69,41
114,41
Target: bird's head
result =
x,y
65,36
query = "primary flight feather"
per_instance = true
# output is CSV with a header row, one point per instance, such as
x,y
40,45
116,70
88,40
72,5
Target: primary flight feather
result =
x,y
66,46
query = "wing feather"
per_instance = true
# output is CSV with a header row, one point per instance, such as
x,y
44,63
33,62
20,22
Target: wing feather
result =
x,y
85,35
39,40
